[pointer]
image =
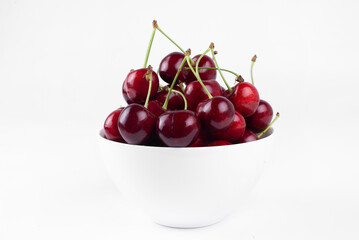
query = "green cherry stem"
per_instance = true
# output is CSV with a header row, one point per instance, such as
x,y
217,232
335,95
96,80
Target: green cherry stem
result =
x,y
150,43
155,25
265,130
222,69
254,58
199,59
148,77
182,95
181,86
173,84
219,70
197,76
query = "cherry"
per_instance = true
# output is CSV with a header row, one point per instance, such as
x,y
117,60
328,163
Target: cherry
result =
x,y
169,67
155,107
245,98
135,86
110,126
124,94
178,128
216,114
136,124
204,73
261,118
235,131
202,139
195,93
248,136
219,143
175,100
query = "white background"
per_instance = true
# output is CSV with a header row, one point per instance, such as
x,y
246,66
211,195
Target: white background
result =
x,y
62,64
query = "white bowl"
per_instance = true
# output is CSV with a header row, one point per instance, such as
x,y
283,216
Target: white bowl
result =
x,y
186,187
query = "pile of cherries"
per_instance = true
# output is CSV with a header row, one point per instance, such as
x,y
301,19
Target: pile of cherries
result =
x,y
193,110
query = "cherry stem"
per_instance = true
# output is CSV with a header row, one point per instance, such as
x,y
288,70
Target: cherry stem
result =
x,y
254,58
199,59
265,130
173,84
198,78
149,72
182,95
220,72
182,87
222,69
155,25
149,47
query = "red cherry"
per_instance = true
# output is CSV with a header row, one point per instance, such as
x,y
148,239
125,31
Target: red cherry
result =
x,y
136,85
219,143
175,101
136,124
178,128
155,107
204,74
169,67
202,139
248,136
245,98
195,93
216,114
235,131
261,118
124,94
110,126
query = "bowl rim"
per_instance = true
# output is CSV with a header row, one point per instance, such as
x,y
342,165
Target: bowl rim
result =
x,y
263,139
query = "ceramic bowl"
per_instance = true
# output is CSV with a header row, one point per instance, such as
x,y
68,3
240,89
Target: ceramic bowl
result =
x,y
186,187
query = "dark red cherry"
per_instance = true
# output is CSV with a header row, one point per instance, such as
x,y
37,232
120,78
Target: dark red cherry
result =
x,y
170,65
261,118
195,93
202,139
136,124
216,114
178,128
155,107
124,94
248,136
110,126
136,85
226,93
245,98
204,74
235,131
175,102
219,143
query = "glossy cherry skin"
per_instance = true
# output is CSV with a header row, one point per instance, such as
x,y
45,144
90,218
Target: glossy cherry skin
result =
x,y
178,128
261,118
216,114
248,136
219,143
195,93
136,124
124,93
110,126
235,131
136,85
204,74
245,98
155,107
175,101
170,65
